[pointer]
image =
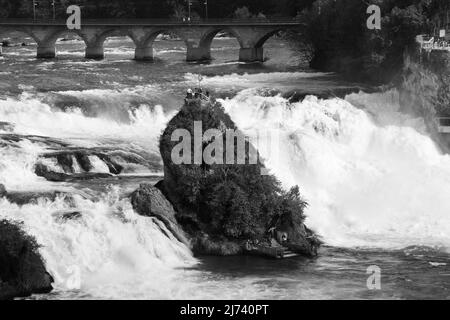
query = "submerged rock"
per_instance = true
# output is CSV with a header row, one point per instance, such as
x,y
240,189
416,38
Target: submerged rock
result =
x,y
71,216
43,171
22,270
6,126
75,165
224,206
148,201
25,197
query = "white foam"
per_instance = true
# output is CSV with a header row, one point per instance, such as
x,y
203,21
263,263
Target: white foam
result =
x,y
258,80
110,249
31,116
369,181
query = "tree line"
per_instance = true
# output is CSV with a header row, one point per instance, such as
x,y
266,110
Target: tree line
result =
x,y
151,8
337,30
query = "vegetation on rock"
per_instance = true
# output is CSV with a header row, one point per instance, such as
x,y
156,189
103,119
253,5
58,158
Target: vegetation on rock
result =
x,y
22,270
223,204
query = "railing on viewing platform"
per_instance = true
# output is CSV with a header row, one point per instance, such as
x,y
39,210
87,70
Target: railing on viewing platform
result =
x,y
444,124
436,46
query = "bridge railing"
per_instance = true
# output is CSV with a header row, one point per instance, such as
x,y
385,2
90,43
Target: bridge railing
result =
x,y
444,121
443,124
172,21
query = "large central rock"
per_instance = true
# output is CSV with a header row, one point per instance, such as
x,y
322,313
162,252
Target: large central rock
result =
x,y
224,206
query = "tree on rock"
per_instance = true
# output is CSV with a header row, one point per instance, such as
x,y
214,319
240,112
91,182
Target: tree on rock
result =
x,y
223,202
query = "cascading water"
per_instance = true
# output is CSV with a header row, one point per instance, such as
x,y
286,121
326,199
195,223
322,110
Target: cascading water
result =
x,y
109,245
107,250
371,175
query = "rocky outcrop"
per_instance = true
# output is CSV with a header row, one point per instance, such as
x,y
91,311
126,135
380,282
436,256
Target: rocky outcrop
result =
x,y
43,171
437,61
2,191
206,245
425,90
22,270
300,239
25,197
148,201
224,206
75,165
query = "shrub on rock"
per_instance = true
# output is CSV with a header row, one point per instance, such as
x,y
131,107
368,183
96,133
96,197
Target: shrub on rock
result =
x,y
22,270
219,204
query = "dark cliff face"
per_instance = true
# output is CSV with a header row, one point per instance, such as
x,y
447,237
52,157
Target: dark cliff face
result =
x,y
438,61
22,270
344,43
221,206
426,83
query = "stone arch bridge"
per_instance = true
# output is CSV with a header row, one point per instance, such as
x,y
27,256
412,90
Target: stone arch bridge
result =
x,y
198,36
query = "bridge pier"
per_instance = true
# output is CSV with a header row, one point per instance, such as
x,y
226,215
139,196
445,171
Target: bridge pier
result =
x,y
251,54
46,52
95,52
198,54
144,53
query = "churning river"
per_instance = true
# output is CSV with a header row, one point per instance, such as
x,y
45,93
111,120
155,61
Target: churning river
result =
x,y
377,185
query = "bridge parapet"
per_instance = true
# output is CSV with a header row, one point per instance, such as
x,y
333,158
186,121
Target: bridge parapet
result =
x,y
158,22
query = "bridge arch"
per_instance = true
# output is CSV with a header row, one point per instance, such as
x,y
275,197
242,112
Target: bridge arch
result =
x,y
254,40
206,40
262,39
209,36
95,40
52,39
7,32
145,42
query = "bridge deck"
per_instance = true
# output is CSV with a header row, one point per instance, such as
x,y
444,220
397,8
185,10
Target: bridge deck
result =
x,y
158,22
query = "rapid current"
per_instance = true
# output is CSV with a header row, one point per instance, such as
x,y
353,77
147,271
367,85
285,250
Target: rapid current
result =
x,y
376,183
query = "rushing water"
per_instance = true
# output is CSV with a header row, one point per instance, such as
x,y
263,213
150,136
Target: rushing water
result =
x,y
376,184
